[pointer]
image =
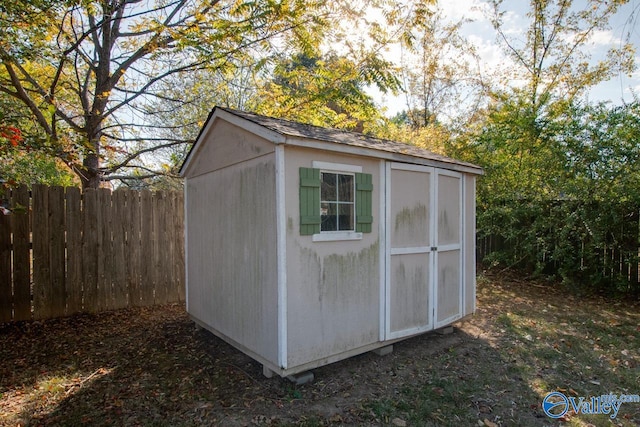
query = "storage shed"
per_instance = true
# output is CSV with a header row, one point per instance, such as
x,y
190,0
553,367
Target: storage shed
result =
x,y
306,245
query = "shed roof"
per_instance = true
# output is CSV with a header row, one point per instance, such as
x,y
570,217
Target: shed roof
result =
x,y
280,131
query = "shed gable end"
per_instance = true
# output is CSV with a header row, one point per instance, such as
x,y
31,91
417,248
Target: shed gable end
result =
x,y
226,144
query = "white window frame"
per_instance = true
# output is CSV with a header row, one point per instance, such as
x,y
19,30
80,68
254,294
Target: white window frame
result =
x,y
344,169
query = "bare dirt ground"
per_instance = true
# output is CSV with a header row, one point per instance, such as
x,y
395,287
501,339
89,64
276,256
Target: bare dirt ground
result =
x,y
152,367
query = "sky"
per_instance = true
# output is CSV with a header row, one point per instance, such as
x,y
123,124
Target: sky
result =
x,y
483,36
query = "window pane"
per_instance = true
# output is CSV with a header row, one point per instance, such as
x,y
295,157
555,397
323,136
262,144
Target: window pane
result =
x,y
345,190
329,216
328,187
345,218
337,194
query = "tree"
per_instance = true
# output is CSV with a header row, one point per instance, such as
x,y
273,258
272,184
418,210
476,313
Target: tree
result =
x,y
322,82
517,141
553,59
25,156
179,116
578,204
534,138
326,89
600,148
90,69
441,82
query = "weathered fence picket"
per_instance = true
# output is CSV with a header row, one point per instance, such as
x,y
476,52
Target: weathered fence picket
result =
x,y
146,238
21,230
6,299
42,286
73,227
90,221
63,251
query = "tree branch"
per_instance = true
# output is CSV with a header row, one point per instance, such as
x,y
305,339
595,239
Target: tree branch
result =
x,y
173,141
151,174
131,157
22,95
148,47
151,82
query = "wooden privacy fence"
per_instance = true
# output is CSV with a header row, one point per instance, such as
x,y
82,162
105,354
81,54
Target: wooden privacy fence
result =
x,y
64,252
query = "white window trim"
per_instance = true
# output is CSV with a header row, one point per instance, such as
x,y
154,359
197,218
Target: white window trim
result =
x,y
334,236
335,167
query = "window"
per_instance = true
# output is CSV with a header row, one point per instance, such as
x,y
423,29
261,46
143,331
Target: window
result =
x,y
335,202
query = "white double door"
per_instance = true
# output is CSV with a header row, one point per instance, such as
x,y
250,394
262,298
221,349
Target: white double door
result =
x,y
423,261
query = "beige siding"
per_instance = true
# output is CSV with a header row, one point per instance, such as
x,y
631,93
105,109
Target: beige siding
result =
x,y
227,145
231,250
333,301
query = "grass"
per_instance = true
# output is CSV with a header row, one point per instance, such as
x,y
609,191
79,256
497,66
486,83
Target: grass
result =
x,y
540,340
151,367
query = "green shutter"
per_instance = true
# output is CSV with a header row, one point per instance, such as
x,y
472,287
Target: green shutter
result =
x,y
364,190
309,201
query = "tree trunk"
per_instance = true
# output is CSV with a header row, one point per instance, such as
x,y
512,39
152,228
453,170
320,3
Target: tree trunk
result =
x,y
90,176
